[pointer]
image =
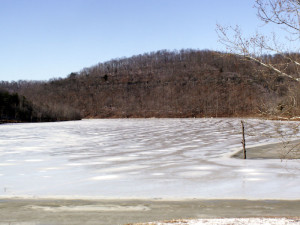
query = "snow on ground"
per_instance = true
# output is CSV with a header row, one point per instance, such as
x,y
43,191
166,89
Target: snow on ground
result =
x,y
235,221
145,158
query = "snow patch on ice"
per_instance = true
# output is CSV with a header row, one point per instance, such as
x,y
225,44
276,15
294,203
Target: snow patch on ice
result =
x,y
235,221
91,208
34,160
105,177
254,179
52,168
8,164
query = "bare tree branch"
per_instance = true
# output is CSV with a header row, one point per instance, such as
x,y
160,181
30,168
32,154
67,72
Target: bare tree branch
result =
x,y
286,14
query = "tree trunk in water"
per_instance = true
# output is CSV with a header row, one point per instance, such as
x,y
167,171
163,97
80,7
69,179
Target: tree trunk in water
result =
x,y
243,140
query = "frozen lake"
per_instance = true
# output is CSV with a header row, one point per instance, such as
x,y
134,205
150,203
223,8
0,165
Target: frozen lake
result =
x,y
144,158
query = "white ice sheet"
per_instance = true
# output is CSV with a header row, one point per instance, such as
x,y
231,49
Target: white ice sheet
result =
x,y
144,158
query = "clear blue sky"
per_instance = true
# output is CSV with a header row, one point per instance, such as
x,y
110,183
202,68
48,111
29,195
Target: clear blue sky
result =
x,y
43,39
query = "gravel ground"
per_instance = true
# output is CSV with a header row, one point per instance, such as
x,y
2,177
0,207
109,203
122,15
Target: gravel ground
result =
x,y
17,211
230,221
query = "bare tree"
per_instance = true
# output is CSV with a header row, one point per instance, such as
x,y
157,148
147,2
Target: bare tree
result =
x,y
264,49
283,13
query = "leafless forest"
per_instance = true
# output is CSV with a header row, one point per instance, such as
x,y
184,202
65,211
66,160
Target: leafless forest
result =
x,y
186,83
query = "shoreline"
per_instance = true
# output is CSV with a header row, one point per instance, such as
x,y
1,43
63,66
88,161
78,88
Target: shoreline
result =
x,y
279,150
286,119
154,199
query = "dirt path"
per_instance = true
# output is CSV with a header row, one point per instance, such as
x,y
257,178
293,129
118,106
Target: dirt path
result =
x,y
114,212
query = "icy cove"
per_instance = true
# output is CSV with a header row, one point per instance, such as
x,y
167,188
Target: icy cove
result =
x,y
145,158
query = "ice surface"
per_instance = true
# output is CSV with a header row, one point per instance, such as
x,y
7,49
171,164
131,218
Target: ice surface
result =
x,y
145,158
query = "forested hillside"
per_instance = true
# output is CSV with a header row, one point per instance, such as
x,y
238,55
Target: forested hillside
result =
x,y
15,108
187,83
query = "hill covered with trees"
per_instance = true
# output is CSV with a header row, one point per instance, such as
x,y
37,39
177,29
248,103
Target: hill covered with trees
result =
x,y
15,108
186,83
